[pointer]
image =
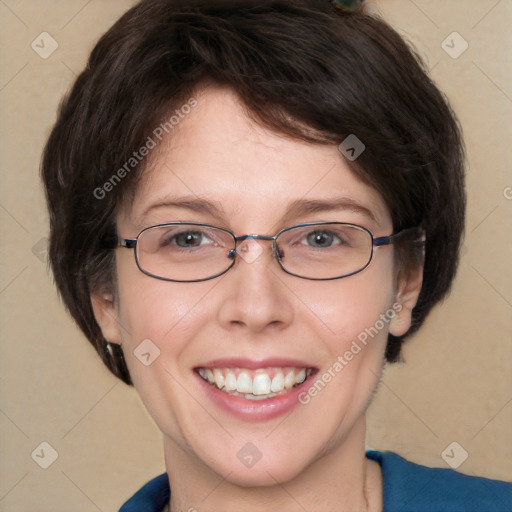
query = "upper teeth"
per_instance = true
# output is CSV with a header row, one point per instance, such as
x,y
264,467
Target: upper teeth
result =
x,y
268,381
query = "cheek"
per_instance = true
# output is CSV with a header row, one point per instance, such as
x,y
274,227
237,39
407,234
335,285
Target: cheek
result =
x,y
345,308
152,307
170,315
162,319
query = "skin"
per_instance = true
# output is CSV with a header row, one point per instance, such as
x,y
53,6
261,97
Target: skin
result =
x,y
314,458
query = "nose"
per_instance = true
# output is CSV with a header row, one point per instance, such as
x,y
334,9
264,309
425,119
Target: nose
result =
x,y
254,296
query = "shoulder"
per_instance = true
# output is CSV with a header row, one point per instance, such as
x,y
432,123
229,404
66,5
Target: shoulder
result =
x,y
410,487
407,487
151,498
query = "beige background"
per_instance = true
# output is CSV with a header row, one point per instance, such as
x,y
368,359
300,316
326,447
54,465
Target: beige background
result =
x,y
456,384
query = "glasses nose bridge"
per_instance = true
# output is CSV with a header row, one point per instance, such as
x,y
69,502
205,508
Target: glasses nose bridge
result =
x,y
255,237
275,250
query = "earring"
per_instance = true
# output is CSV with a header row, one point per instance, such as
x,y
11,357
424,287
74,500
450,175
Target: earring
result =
x,y
109,349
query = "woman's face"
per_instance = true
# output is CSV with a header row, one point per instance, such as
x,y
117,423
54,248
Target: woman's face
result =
x,y
256,320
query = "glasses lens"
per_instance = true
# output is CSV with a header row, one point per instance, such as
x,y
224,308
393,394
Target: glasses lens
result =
x,y
184,252
325,251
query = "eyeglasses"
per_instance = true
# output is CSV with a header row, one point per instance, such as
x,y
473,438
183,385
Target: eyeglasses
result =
x,y
191,252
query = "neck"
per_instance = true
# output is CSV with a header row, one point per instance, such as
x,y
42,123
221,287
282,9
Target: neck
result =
x,y
340,479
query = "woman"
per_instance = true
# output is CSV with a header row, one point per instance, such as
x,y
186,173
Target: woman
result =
x,y
252,205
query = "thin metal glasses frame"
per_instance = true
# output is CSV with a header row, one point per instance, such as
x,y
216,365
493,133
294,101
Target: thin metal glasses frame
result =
x,y
131,243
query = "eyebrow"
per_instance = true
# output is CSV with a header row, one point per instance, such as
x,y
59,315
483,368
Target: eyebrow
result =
x,y
297,208
303,207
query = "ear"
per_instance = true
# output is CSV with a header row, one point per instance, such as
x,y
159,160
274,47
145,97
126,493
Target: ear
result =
x,y
408,290
106,313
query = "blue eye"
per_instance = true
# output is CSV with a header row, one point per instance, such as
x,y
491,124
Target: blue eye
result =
x,y
184,239
322,239
188,239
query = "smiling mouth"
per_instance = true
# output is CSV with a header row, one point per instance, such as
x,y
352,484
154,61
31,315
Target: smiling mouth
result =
x,y
259,384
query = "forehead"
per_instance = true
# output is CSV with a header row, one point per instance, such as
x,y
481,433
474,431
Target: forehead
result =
x,y
218,155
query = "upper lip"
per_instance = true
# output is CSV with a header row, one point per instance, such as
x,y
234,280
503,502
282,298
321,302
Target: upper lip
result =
x,y
254,364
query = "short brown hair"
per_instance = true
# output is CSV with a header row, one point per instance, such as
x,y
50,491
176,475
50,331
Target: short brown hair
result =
x,y
300,67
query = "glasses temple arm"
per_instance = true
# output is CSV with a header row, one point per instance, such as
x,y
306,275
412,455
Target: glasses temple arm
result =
x,y
129,243
113,241
416,234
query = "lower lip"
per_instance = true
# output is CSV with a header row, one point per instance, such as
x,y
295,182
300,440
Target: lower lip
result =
x,y
254,410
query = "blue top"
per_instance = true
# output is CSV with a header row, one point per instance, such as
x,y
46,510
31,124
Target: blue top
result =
x,y
407,487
